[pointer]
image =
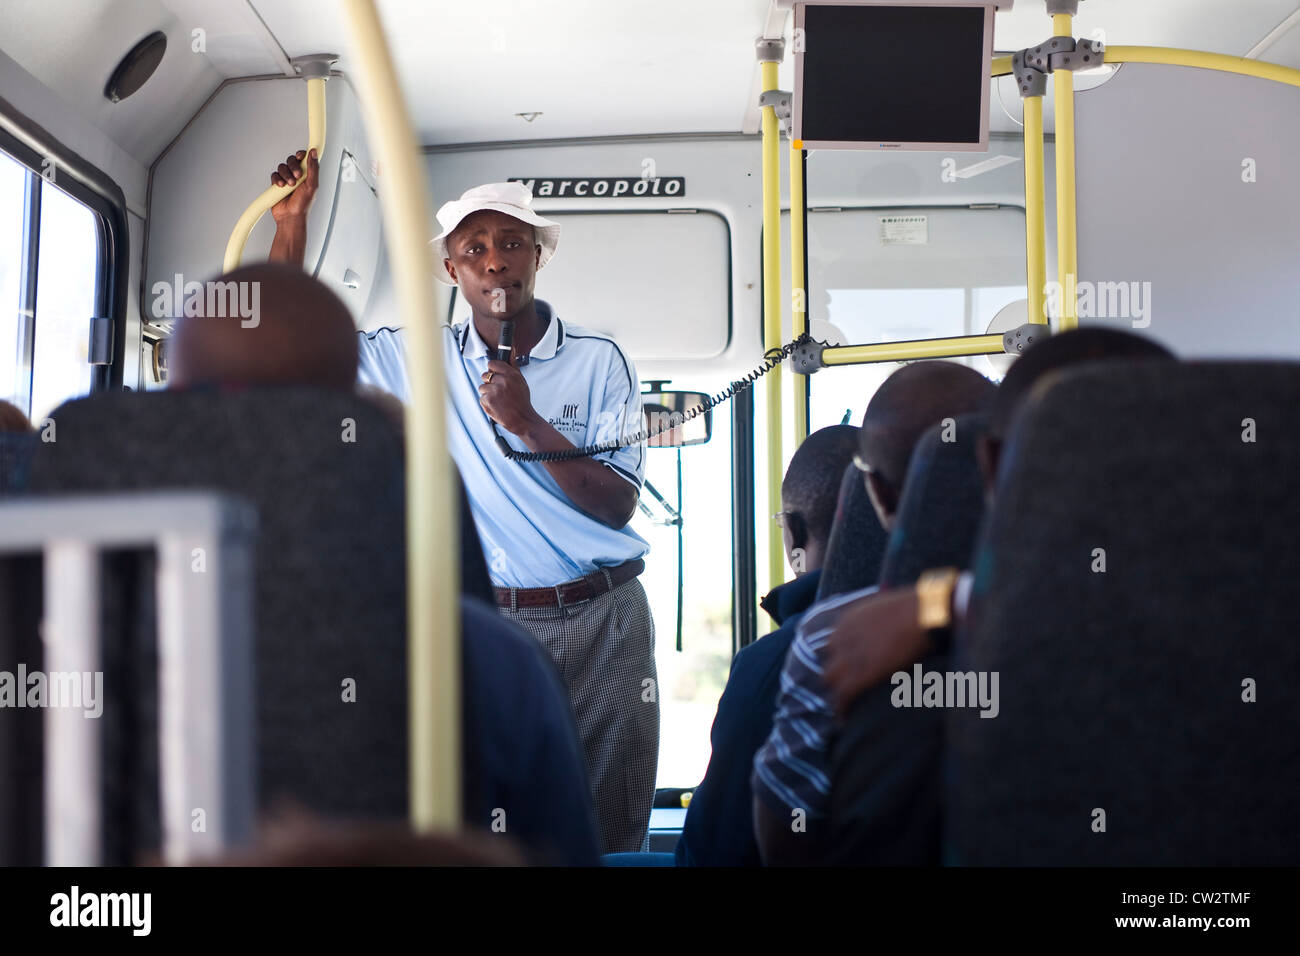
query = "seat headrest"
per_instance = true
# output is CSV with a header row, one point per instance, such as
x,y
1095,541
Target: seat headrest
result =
x,y
857,541
942,505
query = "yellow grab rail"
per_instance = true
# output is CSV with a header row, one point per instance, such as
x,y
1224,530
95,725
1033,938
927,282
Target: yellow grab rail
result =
x,y
1067,232
273,194
1206,61
798,286
1035,211
432,571
954,347
1173,56
772,315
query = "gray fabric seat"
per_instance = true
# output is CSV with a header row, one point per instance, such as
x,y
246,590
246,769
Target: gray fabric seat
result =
x,y
1121,692
885,761
329,590
943,504
857,541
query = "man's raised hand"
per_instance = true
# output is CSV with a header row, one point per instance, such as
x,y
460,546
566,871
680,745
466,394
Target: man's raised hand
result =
x,y
292,170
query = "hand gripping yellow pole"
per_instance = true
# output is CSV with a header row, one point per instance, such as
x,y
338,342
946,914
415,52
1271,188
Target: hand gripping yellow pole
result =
x,y
316,69
432,573
770,53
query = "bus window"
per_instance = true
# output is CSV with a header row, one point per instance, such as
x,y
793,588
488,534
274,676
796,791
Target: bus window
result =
x,y
690,682
902,274
67,275
13,220
668,277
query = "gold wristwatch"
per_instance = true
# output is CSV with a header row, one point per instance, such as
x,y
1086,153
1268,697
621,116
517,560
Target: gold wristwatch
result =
x,y
934,603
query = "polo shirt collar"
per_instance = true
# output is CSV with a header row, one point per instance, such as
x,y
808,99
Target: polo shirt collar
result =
x,y
473,346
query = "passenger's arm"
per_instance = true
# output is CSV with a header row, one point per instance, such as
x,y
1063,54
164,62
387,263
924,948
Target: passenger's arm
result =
x,y
290,213
872,641
590,485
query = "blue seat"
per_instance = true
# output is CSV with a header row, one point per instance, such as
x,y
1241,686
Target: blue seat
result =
x,y
638,859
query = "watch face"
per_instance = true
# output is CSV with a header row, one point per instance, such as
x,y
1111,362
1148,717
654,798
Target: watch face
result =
x,y
934,598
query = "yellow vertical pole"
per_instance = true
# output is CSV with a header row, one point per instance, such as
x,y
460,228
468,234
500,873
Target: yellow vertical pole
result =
x,y
772,306
1035,210
1067,235
798,285
432,573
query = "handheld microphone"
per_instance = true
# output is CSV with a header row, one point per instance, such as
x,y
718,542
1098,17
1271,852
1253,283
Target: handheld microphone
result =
x,y
505,341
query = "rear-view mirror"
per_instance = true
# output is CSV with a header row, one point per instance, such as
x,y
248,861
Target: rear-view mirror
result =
x,y
666,410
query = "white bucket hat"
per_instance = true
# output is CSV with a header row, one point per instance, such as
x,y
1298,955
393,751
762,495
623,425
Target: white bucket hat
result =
x,y
513,199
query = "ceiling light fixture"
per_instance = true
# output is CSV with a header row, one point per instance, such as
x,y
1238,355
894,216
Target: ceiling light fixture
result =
x,y
529,117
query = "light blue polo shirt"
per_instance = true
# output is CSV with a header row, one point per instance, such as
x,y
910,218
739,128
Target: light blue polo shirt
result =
x,y
581,382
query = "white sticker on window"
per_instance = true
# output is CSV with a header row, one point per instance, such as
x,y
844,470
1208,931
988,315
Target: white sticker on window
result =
x,y
905,230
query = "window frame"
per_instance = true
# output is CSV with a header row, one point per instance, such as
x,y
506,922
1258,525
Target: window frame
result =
x,y
29,145
729,245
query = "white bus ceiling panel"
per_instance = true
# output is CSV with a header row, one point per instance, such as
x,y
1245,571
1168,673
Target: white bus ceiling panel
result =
x,y
225,158
72,47
1188,203
656,281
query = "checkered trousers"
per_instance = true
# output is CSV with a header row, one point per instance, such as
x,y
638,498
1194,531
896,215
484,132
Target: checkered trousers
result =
x,y
604,648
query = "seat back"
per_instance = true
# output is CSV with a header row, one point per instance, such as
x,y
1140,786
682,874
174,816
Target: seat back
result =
x,y
1135,595
942,505
324,470
885,761
857,541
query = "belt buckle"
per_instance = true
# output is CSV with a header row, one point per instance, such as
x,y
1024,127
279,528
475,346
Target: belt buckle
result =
x,y
559,596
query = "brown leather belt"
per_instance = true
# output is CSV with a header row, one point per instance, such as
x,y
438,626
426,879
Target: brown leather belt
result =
x,y
571,592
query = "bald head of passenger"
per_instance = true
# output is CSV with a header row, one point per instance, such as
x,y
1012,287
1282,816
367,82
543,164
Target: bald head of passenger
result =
x,y
1041,363
915,398
12,419
265,324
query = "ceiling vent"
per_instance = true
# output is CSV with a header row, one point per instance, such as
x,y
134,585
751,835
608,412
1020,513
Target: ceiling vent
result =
x,y
136,67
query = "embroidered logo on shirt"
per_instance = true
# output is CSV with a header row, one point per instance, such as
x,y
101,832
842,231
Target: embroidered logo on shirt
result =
x,y
568,421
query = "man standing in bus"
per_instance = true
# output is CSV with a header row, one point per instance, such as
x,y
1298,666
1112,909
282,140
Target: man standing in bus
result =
x,y
556,535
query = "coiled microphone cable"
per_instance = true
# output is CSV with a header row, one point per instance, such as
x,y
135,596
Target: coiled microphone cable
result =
x,y
771,359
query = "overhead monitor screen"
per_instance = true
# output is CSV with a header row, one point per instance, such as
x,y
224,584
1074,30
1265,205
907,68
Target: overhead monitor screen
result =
x,y
892,76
